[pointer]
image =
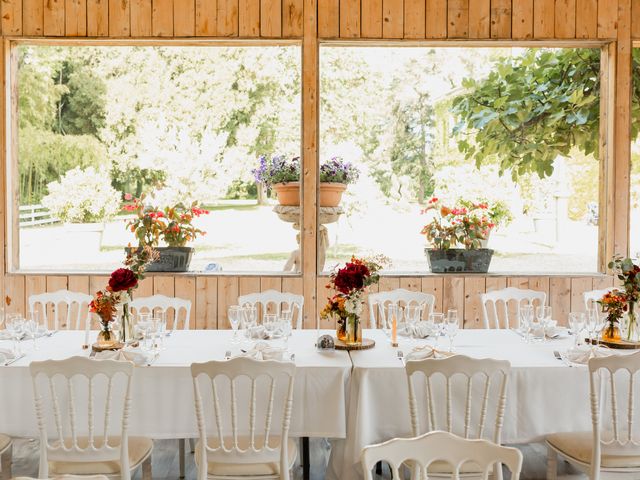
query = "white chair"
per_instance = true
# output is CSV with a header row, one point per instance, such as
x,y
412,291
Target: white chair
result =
x,y
400,296
77,308
490,301
441,447
252,448
592,296
277,299
5,457
612,448
79,398
161,304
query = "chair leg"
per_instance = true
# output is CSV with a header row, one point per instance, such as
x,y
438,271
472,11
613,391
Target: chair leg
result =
x,y
146,469
181,454
552,464
306,467
192,444
6,464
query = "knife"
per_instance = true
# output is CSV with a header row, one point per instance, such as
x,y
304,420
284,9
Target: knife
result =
x,y
15,359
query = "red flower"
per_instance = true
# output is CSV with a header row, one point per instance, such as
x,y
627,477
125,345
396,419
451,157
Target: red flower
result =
x,y
122,279
156,215
128,196
351,277
130,207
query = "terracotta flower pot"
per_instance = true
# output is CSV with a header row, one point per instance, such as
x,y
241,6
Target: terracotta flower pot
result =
x,y
289,193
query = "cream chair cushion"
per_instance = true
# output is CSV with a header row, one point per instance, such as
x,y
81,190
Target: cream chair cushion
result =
x,y
4,442
578,445
216,467
139,449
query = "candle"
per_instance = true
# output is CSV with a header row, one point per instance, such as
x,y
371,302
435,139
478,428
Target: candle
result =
x,y
86,338
394,331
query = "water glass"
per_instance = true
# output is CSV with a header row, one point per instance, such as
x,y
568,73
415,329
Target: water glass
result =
x,y
160,326
31,329
437,322
413,314
543,314
270,323
593,324
143,328
15,327
286,317
249,316
235,315
577,322
525,313
451,328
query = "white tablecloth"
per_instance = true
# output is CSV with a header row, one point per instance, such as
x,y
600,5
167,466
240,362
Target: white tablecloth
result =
x,y
163,404
544,395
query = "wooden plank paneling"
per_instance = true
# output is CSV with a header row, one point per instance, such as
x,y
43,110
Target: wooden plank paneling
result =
x,y
75,18
453,298
540,284
249,18
54,18
79,283
436,26
495,283
292,285
247,285
184,18
635,18
164,285
323,293
458,18
522,19
500,18
604,281
560,298
578,287
586,18
145,288
33,285
413,284
32,17
372,18
15,289
227,18
565,19
11,11
185,287
162,18
227,295
140,18
433,285
207,16
292,18
414,18
329,19
119,18
479,18
543,18
270,18
393,18
472,315
206,302
350,18
97,18
608,17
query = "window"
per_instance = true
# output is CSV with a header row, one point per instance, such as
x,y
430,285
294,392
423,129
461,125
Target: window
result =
x,y
516,128
98,125
634,240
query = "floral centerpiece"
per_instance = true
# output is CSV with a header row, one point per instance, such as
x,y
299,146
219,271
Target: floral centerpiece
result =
x,y
172,225
351,284
614,304
283,176
113,300
629,274
465,225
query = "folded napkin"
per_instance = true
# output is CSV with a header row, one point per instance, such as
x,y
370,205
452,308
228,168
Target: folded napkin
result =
x,y
264,351
426,351
135,355
260,333
581,355
5,335
418,330
6,354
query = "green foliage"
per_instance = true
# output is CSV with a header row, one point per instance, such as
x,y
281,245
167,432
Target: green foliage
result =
x,y
136,180
530,109
45,156
241,190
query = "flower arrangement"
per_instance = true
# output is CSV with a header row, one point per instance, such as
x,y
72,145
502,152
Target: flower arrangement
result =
x,y
172,224
629,274
466,224
281,170
614,304
93,198
122,283
351,283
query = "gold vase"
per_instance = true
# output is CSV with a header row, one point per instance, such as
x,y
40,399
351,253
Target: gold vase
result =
x,y
354,330
341,329
107,338
611,332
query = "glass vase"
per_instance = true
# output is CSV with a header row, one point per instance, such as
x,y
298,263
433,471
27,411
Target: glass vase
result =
x,y
632,333
611,332
107,338
126,325
354,330
341,329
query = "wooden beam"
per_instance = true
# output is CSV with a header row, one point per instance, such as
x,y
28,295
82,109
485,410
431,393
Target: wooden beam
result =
x,y
436,26
11,11
310,169
565,19
501,19
98,18
249,18
479,18
393,18
587,18
119,18
184,18
522,19
292,18
75,18
608,17
140,18
270,18
32,17
54,18
543,18
162,18
207,17
329,18
350,18
372,18
227,18
458,18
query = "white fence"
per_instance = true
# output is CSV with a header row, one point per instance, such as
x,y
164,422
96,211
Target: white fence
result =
x,y
31,215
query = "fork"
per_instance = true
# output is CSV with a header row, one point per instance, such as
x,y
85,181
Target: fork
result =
x,y
227,355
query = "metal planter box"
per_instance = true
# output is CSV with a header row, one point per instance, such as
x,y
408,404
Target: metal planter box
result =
x,y
459,260
172,259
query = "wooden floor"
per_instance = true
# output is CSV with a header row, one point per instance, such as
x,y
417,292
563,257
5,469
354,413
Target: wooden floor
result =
x,y
165,462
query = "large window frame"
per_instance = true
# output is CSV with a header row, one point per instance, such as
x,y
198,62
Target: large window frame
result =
x,y
309,138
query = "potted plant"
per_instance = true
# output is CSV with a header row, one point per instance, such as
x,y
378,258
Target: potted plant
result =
x,y
283,176
172,225
457,226
83,200
497,212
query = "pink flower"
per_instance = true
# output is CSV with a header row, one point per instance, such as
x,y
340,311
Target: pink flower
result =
x,y
128,196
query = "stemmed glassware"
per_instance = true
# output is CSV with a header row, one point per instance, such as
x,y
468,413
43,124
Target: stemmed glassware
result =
x,y
15,326
31,329
525,312
593,325
160,326
412,317
577,322
286,326
235,315
543,314
270,323
451,326
437,320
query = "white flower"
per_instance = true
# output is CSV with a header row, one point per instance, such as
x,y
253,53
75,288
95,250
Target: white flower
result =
x,y
353,305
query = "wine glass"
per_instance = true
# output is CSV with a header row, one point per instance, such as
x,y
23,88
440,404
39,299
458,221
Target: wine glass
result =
x,y
286,326
142,329
543,316
451,327
270,323
412,316
250,316
160,326
31,330
15,326
437,320
593,323
525,312
577,322
235,313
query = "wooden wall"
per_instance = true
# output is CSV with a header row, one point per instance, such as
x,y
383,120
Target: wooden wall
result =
x,y
514,21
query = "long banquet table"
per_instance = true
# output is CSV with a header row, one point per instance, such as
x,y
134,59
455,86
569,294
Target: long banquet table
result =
x,y
356,399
